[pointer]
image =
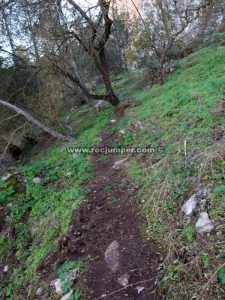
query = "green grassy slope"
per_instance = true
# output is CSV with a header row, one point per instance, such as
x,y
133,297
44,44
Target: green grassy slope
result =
x,y
38,217
188,107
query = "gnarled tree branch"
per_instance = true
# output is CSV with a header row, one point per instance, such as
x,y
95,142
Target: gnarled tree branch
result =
x,y
34,121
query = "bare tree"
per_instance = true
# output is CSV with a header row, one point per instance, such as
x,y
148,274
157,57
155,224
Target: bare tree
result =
x,y
98,31
168,26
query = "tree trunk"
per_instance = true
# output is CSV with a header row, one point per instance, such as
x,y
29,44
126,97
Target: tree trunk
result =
x,y
71,49
34,121
113,99
96,50
103,68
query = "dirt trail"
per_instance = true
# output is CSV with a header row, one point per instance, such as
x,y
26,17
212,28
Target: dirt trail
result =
x,y
110,215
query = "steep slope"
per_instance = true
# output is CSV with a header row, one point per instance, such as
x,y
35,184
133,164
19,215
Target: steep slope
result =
x,y
182,124
186,116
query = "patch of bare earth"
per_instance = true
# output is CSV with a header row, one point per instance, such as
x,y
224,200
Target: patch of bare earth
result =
x,y
109,228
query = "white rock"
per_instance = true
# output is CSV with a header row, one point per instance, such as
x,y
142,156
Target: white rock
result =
x,y
100,104
52,283
189,207
124,280
119,164
72,275
36,180
58,286
67,296
6,177
40,291
113,121
6,269
112,256
204,224
122,131
140,289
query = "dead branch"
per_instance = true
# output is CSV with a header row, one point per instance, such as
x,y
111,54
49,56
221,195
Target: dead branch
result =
x,y
34,121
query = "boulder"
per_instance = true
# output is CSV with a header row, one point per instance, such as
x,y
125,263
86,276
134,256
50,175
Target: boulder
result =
x,y
72,275
40,291
124,280
189,207
140,289
6,269
36,180
122,131
6,177
67,296
112,256
100,104
204,224
58,286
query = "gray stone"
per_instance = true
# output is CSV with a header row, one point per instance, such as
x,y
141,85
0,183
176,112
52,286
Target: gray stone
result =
x,y
112,256
40,291
67,296
189,207
58,284
52,283
72,275
140,289
6,177
204,224
58,287
6,269
100,104
122,131
124,280
37,180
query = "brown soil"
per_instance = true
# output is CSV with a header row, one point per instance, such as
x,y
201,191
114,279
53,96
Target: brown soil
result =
x,y
106,217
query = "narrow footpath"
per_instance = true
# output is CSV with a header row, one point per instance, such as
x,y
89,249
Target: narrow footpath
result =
x,y
110,229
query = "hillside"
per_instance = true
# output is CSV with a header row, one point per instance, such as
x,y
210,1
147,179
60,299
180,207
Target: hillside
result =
x,y
62,210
